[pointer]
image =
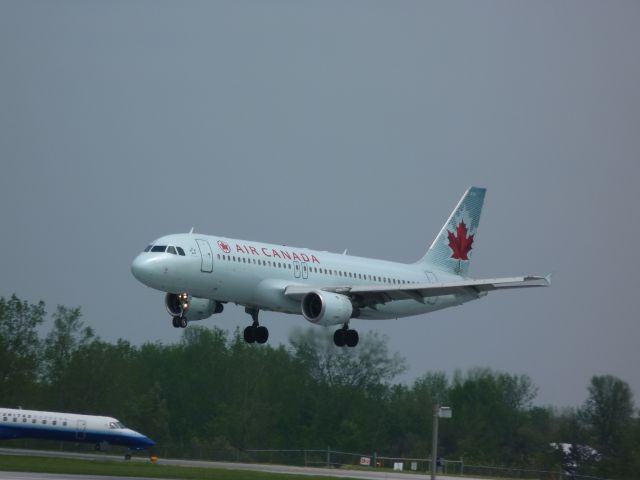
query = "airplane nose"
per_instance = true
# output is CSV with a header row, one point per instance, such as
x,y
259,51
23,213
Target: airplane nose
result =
x,y
141,268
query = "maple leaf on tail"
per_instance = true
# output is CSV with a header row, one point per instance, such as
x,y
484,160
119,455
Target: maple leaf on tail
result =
x,y
460,243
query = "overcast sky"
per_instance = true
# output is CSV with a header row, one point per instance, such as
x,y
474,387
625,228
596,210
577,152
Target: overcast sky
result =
x,y
333,125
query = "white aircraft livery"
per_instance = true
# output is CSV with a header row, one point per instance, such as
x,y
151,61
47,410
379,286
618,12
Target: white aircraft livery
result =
x,y
200,273
18,423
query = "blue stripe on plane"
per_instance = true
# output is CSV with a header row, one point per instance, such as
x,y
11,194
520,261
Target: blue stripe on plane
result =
x,y
50,433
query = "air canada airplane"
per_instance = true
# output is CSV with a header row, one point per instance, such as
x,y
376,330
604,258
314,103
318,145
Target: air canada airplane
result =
x,y
103,431
200,273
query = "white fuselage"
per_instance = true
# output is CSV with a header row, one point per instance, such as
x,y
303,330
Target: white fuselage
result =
x,y
18,423
255,274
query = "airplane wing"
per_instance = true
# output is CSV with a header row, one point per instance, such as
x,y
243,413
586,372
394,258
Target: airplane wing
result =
x,y
376,294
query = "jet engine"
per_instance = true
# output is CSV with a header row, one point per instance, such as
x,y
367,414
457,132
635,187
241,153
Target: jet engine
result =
x,y
326,308
192,308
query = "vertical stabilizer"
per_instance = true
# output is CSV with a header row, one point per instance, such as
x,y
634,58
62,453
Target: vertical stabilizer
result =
x,y
452,248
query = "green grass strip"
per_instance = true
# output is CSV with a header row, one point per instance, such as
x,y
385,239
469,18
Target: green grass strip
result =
x,y
19,463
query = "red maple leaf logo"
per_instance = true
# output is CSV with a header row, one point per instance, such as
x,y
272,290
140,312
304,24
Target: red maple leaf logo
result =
x,y
460,243
224,246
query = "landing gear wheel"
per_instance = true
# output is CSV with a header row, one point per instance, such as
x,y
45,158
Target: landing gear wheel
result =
x,y
261,334
183,322
352,338
255,333
339,337
176,322
250,334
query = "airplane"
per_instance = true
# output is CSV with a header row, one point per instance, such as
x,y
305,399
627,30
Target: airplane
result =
x,y
201,273
103,431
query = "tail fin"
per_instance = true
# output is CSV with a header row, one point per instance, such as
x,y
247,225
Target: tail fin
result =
x,y
451,250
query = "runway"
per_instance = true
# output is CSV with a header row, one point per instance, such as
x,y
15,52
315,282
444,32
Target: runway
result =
x,y
257,467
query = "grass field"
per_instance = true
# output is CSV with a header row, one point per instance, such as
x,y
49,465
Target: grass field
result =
x,y
16,463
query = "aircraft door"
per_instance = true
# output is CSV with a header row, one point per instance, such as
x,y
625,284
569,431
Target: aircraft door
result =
x,y
81,430
431,277
296,269
206,255
305,270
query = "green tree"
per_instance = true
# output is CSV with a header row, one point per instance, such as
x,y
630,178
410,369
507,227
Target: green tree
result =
x,y
608,415
489,411
368,365
68,334
19,349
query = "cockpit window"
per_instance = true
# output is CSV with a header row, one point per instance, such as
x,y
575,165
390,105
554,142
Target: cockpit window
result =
x,y
180,251
159,248
114,425
148,248
171,249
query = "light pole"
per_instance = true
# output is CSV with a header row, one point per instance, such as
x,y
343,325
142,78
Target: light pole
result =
x,y
438,412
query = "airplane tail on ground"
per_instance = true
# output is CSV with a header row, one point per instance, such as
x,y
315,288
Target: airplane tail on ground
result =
x,y
451,250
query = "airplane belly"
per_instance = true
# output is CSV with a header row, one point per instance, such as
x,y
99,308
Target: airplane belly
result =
x,y
269,295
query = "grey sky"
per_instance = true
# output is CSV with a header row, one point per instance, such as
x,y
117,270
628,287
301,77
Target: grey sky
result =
x,y
335,125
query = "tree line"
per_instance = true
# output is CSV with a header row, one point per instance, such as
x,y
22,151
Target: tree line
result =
x,y
211,391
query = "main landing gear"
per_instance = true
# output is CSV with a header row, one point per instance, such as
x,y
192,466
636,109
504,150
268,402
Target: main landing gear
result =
x,y
345,336
255,333
179,322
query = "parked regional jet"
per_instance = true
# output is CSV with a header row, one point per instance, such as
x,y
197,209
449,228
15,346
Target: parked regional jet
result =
x,y
200,273
18,423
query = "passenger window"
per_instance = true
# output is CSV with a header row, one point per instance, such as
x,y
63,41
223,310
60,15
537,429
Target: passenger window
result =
x,y
159,248
44,422
180,251
55,422
148,248
15,419
244,260
64,424
171,250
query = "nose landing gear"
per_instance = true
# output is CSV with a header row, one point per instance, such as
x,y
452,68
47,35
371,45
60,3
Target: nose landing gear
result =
x,y
177,306
179,322
255,333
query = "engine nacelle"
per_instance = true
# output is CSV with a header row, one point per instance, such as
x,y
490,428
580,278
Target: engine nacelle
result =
x,y
191,308
326,308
